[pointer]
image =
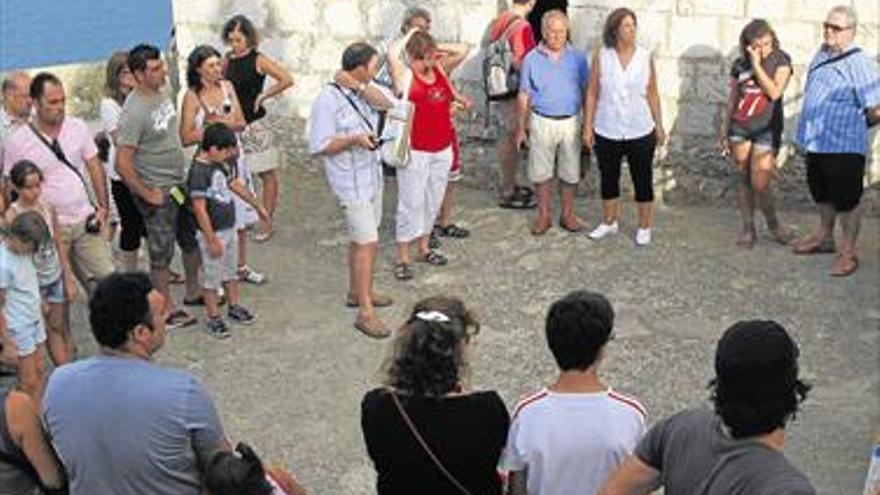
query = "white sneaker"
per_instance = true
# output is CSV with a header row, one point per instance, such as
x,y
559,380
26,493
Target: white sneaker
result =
x,y
603,230
643,237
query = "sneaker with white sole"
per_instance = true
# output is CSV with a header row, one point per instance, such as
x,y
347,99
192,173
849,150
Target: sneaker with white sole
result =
x,y
603,230
246,274
216,327
643,237
240,314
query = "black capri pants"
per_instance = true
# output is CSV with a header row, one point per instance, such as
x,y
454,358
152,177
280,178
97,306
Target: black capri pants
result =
x,y
131,224
836,178
639,154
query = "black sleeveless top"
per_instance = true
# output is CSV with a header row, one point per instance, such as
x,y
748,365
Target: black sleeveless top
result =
x,y
248,83
16,474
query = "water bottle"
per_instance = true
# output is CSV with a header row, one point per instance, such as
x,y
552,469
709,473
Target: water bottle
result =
x,y
872,481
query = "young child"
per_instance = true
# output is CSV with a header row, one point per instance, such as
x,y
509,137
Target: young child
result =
x,y
211,185
244,474
21,322
54,274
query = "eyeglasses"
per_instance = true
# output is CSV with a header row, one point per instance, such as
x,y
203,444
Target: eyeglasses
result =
x,y
834,28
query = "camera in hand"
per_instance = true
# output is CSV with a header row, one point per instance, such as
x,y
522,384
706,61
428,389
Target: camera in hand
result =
x,y
93,225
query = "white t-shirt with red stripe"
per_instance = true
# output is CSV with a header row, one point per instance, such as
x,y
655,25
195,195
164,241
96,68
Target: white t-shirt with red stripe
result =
x,y
571,442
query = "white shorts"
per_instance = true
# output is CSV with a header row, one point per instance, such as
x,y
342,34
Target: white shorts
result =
x,y
554,146
364,216
245,214
216,271
420,189
28,337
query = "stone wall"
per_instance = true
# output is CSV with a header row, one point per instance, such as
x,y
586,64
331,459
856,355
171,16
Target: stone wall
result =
x,y
694,42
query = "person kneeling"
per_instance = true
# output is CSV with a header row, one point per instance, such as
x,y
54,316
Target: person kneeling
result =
x,y
210,189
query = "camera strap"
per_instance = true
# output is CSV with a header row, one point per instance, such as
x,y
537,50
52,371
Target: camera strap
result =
x,y
355,107
55,148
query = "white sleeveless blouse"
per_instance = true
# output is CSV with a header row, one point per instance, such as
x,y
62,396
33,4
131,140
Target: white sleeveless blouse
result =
x,y
622,110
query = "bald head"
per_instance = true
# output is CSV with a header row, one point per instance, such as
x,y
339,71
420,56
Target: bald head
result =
x,y
16,98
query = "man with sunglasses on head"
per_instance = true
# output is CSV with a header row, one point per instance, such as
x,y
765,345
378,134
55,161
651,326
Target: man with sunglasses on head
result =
x,y
64,149
342,131
841,99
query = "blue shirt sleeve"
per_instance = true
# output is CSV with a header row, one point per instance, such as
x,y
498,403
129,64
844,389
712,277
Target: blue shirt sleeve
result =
x,y
203,423
867,82
585,69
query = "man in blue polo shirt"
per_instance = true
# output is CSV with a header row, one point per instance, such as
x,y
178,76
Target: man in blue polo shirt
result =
x,y
552,84
843,90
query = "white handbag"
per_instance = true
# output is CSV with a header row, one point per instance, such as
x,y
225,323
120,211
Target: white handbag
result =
x,y
395,147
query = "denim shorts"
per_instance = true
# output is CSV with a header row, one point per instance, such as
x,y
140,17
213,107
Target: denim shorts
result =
x,y
53,292
763,139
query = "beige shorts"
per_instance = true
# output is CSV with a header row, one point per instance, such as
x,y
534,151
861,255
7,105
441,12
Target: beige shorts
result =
x,y
257,142
364,218
89,254
222,269
554,146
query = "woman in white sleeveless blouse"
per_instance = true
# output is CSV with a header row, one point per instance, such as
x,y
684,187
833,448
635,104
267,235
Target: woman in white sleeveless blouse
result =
x,y
622,118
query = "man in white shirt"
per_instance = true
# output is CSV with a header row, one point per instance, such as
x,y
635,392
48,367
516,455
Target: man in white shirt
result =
x,y
568,437
342,130
15,112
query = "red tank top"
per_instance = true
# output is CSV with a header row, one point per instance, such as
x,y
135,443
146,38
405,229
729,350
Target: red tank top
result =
x,y
432,123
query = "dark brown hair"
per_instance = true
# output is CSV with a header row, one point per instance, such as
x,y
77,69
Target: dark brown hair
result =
x,y
612,24
757,28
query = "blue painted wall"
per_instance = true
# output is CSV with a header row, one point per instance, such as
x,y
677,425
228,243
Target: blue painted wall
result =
x,y
37,33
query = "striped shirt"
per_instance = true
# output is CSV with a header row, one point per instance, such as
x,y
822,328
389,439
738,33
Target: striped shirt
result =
x,y
835,99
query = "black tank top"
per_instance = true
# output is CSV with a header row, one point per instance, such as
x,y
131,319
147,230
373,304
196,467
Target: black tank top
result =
x,y
248,83
16,474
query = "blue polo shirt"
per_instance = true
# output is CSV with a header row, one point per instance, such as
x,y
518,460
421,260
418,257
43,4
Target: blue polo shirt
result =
x,y
555,86
837,94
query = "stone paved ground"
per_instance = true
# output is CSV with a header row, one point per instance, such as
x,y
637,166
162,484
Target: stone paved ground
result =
x,y
291,384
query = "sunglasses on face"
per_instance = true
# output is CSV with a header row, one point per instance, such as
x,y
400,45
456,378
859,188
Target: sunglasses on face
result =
x,y
834,28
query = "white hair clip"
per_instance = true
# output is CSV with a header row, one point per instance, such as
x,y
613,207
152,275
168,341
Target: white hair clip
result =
x,y
432,316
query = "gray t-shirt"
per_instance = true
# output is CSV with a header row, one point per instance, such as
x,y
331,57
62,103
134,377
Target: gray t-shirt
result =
x,y
127,426
210,181
695,456
149,124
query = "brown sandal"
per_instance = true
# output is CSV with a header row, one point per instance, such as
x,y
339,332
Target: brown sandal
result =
x,y
372,327
845,265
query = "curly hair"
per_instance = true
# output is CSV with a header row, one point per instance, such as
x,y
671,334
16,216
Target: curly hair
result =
x,y
119,304
244,26
756,389
428,356
195,60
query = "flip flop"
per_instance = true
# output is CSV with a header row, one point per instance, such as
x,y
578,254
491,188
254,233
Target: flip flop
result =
x,y
822,247
845,265
262,237
402,271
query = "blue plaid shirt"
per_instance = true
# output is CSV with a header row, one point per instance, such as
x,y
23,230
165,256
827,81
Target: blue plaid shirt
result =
x,y
837,94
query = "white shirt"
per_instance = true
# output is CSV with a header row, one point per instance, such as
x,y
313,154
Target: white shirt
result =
x,y
622,110
110,113
355,173
570,443
8,125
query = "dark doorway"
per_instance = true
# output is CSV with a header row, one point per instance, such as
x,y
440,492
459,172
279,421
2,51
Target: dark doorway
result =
x,y
541,7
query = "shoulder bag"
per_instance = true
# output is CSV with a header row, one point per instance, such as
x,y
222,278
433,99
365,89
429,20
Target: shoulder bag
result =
x,y
424,445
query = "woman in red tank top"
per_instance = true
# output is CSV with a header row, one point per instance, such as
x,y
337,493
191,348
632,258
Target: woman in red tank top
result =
x,y
422,184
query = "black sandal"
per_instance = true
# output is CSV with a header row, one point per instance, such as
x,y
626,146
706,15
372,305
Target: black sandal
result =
x,y
433,258
402,271
521,199
451,230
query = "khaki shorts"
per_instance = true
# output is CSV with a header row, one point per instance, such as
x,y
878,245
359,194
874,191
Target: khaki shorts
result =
x,y
217,271
554,146
364,216
89,254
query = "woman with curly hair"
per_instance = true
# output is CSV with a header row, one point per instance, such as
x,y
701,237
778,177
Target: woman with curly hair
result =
x,y
426,431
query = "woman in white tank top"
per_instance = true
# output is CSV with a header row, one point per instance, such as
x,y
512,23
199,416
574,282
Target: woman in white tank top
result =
x,y
622,118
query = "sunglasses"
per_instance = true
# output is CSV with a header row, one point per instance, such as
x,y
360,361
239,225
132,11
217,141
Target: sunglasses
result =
x,y
834,28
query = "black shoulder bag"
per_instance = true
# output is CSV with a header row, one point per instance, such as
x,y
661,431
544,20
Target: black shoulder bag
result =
x,y
93,226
